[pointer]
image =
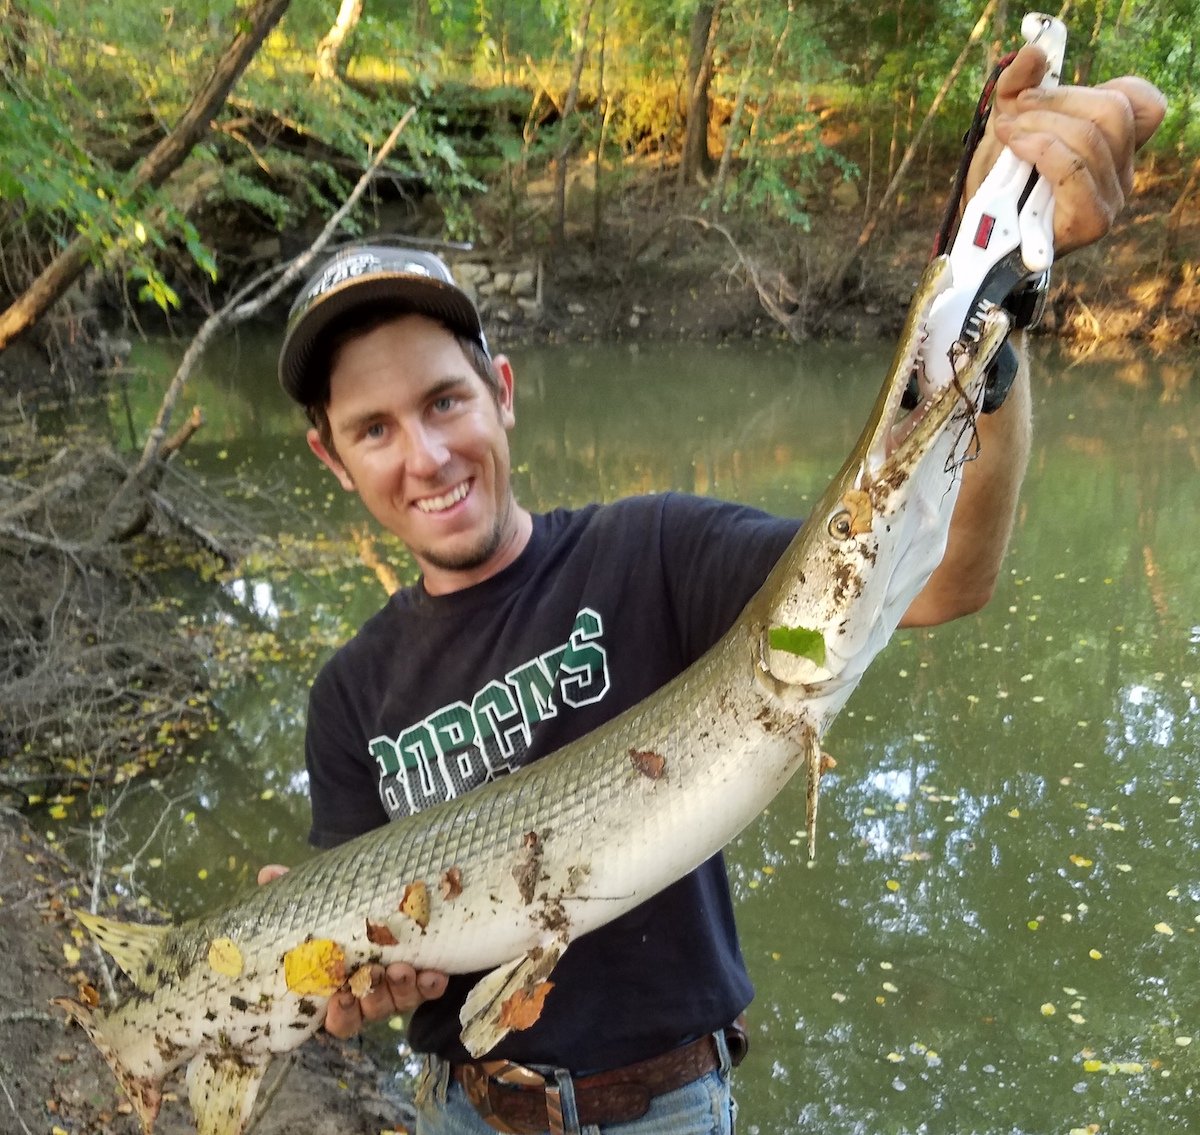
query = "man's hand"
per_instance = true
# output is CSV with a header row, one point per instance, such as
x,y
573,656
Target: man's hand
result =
x,y
1081,139
397,989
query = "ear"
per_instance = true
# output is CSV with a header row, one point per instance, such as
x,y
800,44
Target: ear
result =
x,y
504,396
329,460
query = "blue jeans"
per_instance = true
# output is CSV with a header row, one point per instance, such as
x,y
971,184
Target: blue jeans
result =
x,y
703,1107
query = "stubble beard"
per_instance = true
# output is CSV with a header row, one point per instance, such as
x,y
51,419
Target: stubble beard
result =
x,y
470,559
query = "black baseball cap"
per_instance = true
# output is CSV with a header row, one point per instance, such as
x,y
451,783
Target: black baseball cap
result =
x,y
369,274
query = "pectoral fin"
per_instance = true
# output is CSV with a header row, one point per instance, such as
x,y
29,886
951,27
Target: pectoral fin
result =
x,y
132,946
510,997
222,1091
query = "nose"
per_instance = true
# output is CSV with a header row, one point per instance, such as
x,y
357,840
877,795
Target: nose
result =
x,y
425,450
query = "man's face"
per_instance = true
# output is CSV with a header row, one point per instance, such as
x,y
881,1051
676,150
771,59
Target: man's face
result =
x,y
423,441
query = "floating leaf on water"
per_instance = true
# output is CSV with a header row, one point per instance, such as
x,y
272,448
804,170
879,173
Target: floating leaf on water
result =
x,y
888,987
1164,928
1183,1041
1124,867
896,1057
840,997
892,885
1080,861
1014,813
1076,1018
1093,1065
1048,1010
224,957
1095,955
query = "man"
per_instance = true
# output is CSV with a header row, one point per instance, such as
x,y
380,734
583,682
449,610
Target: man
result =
x,y
410,411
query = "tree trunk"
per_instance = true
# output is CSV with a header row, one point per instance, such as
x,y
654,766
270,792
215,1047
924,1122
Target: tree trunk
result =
x,y
694,161
15,30
422,19
568,112
152,171
603,108
739,105
329,61
834,283
772,69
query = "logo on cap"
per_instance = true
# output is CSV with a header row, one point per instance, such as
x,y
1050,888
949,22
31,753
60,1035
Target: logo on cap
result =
x,y
341,271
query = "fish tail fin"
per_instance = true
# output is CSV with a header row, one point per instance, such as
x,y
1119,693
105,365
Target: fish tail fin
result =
x,y
131,945
222,1091
145,1094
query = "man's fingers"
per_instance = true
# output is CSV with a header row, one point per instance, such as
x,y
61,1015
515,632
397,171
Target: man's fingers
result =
x,y
1026,70
431,984
270,873
343,1017
1146,102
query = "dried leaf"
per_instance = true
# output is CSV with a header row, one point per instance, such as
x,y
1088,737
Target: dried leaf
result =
x,y
858,504
524,1007
360,981
316,967
224,957
451,883
380,934
649,763
415,903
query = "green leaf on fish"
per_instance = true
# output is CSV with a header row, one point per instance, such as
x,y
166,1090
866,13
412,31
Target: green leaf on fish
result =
x,y
800,641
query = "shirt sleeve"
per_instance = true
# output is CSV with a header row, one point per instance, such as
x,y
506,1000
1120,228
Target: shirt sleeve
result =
x,y
343,784
716,555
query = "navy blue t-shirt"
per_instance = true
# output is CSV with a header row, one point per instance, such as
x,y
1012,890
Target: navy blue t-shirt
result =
x,y
605,605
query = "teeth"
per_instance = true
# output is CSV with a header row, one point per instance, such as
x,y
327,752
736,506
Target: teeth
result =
x,y
447,500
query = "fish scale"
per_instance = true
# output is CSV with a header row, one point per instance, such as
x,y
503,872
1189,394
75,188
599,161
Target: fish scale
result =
x,y
504,878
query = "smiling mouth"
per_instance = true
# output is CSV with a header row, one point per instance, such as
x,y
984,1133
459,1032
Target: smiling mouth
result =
x,y
430,505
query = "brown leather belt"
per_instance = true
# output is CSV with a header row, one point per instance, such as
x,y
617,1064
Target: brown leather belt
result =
x,y
521,1101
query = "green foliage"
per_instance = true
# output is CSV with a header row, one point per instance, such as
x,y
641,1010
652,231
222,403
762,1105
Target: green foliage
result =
x,y
86,90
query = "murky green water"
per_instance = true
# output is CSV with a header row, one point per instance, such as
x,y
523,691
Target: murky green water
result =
x,y
1000,933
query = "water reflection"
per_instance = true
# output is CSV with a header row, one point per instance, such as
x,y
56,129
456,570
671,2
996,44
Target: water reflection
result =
x,y
1000,931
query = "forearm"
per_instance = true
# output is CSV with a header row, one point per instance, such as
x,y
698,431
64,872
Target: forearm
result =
x,y
985,512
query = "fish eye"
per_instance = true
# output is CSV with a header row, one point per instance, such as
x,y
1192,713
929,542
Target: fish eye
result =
x,y
839,525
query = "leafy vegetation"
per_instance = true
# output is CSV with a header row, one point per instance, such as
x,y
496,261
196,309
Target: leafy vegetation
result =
x,y
797,91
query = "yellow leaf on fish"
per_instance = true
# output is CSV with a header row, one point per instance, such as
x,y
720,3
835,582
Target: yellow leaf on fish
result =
x,y
415,903
225,957
317,966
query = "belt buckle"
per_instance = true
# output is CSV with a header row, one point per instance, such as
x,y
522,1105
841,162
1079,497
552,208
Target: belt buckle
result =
x,y
477,1078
